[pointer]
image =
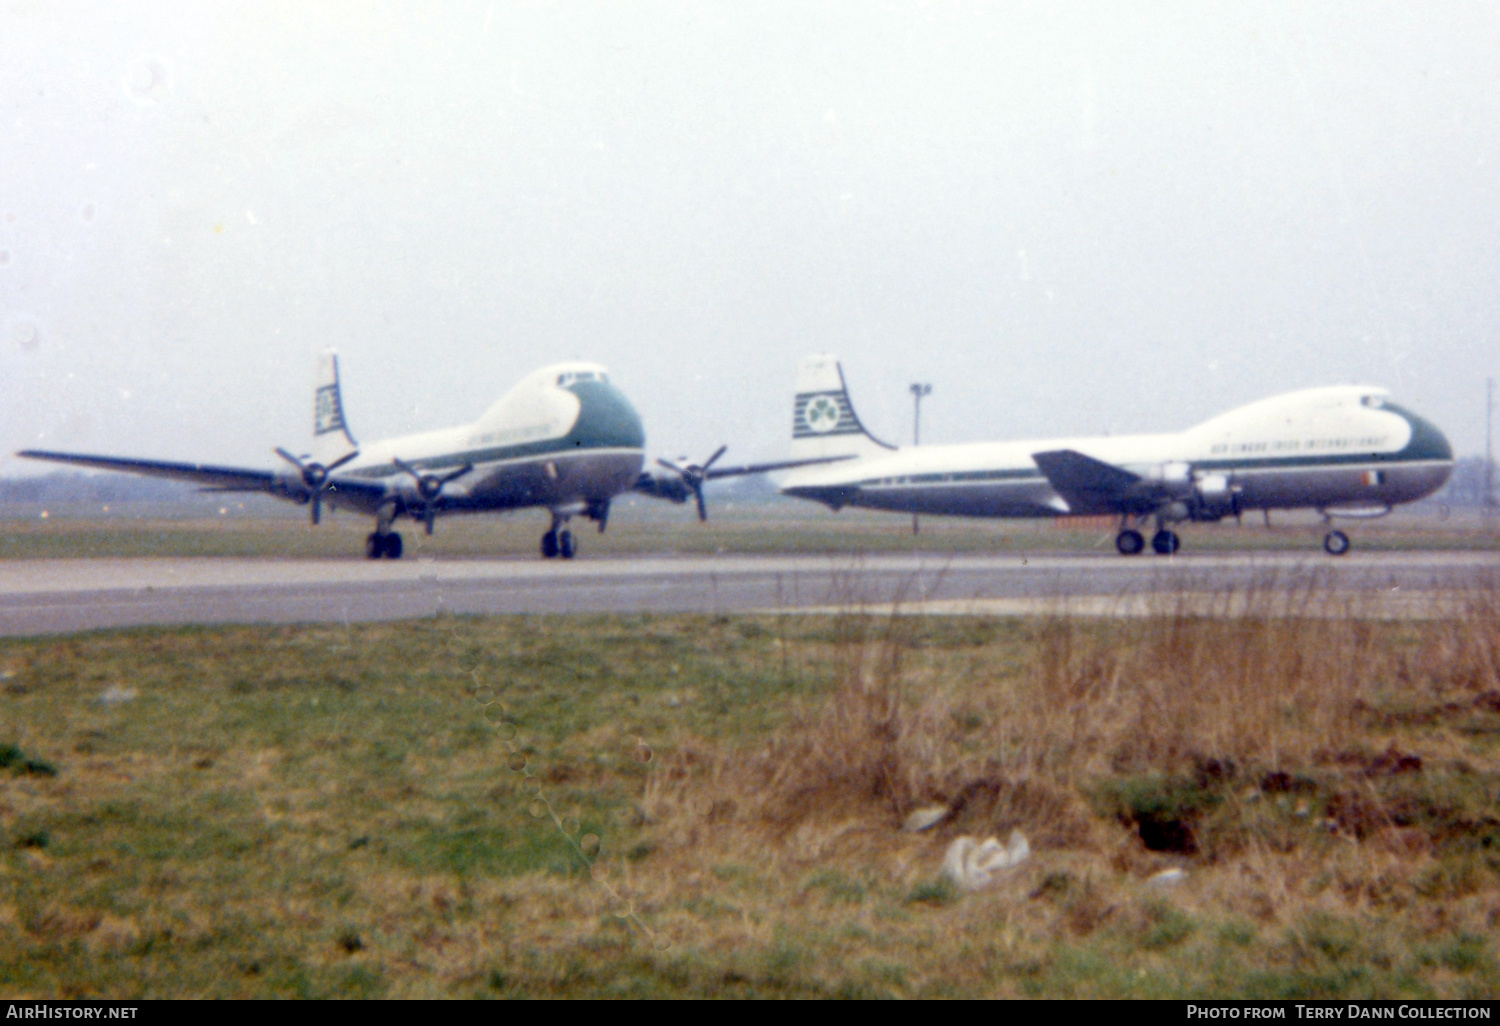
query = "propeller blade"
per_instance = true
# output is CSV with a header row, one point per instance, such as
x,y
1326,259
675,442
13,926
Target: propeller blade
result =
x,y
429,487
693,475
460,472
315,477
336,464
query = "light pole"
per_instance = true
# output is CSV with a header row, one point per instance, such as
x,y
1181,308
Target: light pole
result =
x,y
918,390
1489,452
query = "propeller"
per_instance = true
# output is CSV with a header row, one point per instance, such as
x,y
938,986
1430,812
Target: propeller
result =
x,y
693,475
430,486
315,477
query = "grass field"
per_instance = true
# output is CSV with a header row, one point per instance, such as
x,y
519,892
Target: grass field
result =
x,y
645,526
627,806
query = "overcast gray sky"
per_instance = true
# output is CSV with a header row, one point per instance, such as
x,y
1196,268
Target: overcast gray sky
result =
x,y
1070,219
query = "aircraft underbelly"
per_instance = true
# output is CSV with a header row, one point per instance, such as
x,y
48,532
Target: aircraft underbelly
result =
x,y
554,480
1331,486
1000,499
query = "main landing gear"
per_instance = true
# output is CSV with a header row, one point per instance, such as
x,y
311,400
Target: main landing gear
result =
x,y
383,542
386,544
558,541
1131,542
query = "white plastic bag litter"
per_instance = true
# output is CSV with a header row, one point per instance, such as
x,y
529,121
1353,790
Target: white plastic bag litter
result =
x,y
972,864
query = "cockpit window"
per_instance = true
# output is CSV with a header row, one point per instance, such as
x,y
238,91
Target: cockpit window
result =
x,y
1375,402
564,380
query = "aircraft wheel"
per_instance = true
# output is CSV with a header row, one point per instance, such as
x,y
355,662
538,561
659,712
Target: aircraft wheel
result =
x,y
1130,543
1336,543
374,547
1164,543
565,545
392,546
549,545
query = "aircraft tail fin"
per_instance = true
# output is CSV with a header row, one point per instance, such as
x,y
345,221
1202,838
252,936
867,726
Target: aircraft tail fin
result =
x,y
331,437
824,424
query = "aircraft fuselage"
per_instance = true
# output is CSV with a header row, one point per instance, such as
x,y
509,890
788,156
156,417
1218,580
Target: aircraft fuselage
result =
x,y
1337,449
565,437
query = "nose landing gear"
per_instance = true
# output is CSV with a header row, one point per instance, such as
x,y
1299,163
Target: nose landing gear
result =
x,y
1336,543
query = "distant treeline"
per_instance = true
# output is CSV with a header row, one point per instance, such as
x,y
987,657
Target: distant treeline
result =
x,y
73,486
1464,488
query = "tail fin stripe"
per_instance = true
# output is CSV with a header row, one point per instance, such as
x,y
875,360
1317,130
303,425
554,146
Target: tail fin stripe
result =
x,y
819,414
331,437
328,411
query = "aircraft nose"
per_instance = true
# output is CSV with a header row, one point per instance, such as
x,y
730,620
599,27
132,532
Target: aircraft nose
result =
x,y
1441,443
606,417
1426,441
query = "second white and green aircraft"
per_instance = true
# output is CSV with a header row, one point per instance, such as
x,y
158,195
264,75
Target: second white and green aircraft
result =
x,y
1345,451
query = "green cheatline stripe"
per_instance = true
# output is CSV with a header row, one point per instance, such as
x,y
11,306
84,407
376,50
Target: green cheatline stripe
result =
x,y
477,457
1284,463
1297,462
958,477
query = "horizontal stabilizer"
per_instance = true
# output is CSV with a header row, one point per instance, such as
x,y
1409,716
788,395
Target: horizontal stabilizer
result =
x,y
1086,484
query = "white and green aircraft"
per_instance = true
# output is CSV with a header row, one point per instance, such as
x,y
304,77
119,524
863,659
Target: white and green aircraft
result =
x,y
1345,451
564,439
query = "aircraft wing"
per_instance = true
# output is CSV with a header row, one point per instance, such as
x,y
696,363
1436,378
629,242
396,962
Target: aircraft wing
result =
x,y
676,482
766,468
218,479
1086,484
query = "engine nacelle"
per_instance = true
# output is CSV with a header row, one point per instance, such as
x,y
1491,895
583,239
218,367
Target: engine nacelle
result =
x,y
1214,496
663,484
428,491
1176,477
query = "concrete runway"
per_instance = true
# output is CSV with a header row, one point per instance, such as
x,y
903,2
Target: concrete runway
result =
x,y
61,596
